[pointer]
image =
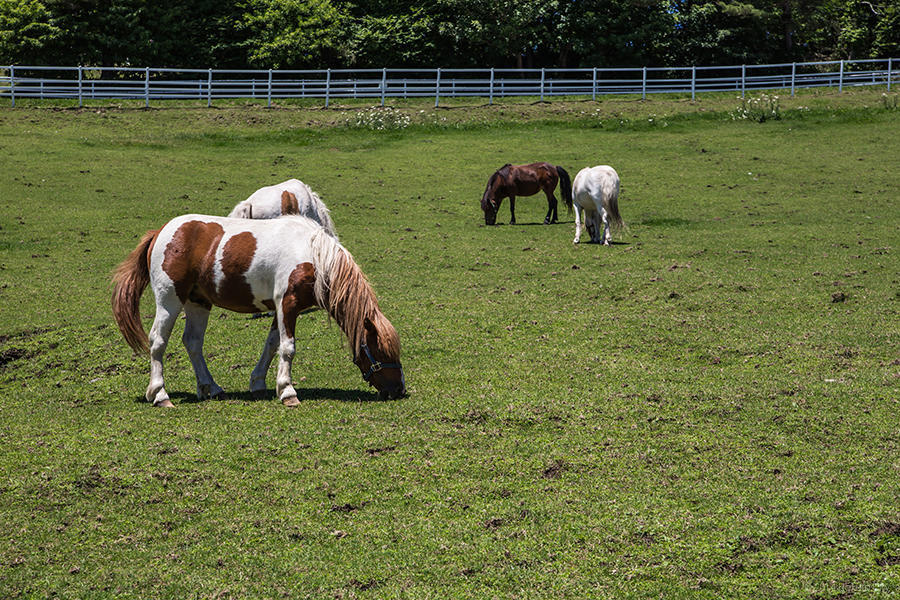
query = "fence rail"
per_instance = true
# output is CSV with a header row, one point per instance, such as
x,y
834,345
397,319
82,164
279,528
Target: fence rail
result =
x,y
111,83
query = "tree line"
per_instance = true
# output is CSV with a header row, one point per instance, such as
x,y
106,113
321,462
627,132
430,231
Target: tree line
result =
x,y
284,34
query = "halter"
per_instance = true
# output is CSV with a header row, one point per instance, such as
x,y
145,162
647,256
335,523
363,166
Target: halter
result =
x,y
377,366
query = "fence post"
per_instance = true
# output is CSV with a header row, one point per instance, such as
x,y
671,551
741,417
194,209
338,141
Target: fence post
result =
x,y
437,87
269,91
793,77
12,84
841,78
146,87
890,73
743,79
693,82
79,87
491,89
383,84
644,85
327,86
594,84
209,89
542,84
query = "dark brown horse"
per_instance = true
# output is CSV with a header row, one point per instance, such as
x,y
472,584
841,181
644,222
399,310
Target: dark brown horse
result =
x,y
510,181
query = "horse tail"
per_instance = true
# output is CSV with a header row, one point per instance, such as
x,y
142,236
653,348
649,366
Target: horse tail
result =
x,y
130,279
612,209
565,187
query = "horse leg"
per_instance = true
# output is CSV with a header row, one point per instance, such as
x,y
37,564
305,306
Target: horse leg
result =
x,y
578,224
196,319
606,236
167,309
512,210
551,208
591,225
258,376
286,350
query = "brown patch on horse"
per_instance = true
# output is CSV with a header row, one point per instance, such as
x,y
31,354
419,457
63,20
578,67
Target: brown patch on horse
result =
x,y
299,296
189,261
235,293
190,252
289,205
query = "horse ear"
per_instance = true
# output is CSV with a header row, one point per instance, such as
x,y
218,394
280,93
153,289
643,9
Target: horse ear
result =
x,y
289,204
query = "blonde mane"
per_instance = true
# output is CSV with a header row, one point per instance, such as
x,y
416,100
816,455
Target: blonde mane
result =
x,y
342,289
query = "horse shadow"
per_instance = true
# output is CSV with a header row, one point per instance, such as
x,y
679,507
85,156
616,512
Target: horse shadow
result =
x,y
611,243
305,395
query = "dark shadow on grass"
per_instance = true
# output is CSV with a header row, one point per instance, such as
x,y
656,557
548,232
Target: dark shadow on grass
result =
x,y
520,224
305,394
611,243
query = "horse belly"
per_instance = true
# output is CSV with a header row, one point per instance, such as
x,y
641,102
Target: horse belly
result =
x,y
528,188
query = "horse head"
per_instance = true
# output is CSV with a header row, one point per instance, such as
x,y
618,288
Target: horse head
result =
x,y
490,201
378,358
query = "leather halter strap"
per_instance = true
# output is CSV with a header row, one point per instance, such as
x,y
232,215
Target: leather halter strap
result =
x,y
376,366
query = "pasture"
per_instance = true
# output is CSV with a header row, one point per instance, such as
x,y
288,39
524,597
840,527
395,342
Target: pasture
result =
x,y
708,408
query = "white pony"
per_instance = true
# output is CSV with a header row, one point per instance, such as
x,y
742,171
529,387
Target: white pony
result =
x,y
291,197
596,192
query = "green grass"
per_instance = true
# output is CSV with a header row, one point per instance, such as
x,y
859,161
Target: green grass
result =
x,y
688,413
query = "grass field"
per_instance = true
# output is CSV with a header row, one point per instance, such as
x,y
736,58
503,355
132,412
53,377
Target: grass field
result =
x,y
706,409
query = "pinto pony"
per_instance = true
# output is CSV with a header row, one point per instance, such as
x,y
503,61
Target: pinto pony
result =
x,y
287,265
596,193
525,180
291,197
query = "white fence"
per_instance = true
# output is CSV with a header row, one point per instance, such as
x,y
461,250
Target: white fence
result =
x,y
111,83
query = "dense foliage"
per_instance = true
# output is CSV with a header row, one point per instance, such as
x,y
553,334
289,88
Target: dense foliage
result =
x,y
451,33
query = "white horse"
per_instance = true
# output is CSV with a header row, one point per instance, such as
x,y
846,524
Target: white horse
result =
x,y
287,265
596,192
291,197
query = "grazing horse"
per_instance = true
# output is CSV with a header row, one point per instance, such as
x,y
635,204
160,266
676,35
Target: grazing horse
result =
x,y
525,180
596,192
286,265
291,197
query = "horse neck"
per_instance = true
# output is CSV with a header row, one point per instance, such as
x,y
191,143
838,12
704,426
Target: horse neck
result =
x,y
494,187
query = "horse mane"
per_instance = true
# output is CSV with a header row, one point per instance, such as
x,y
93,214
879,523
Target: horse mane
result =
x,y
322,211
498,178
343,291
502,172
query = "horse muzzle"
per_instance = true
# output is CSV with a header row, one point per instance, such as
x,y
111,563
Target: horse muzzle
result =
x,y
393,392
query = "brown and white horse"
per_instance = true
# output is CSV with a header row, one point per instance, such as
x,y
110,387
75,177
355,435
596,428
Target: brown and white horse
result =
x,y
287,265
525,180
291,197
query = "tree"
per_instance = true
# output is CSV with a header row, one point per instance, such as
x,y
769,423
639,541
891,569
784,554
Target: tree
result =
x,y
25,28
284,34
618,32
397,40
710,32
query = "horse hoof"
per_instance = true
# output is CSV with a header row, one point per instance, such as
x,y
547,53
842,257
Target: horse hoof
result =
x,y
164,404
291,401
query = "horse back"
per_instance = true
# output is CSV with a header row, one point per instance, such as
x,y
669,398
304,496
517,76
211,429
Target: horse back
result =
x,y
236,264
532,178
